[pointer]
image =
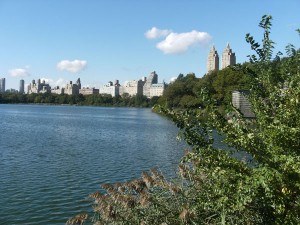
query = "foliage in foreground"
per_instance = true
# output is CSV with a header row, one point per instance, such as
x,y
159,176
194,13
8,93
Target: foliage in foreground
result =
x,y
217,186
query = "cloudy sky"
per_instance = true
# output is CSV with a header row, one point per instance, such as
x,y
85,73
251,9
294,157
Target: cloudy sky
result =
x,y
103,40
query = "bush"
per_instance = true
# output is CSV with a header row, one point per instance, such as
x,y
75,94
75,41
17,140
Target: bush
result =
x,y
218,186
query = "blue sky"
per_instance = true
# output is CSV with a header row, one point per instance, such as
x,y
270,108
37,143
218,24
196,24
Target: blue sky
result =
x,y
103,40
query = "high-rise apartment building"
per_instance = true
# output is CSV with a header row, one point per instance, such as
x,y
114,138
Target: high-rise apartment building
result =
x,y
111,88
152,79
2,85
21,88
39,87
73,89
133,87
213,60
228,57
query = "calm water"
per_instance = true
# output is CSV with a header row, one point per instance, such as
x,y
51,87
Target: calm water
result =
x,y
53,157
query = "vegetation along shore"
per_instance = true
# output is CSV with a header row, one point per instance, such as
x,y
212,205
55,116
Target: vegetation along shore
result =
x,y
214,187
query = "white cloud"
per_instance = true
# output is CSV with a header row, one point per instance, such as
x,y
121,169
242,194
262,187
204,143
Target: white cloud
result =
x,y
53,83
18,72
74,66
47,80
173,79
156,33
60,82
176,43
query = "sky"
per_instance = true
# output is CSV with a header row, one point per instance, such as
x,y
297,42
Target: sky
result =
x,y
107,40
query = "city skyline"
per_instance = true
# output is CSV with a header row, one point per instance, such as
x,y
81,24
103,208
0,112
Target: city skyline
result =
x,y
107,40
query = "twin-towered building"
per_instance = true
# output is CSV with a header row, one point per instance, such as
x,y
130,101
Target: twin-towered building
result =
x,y
228,59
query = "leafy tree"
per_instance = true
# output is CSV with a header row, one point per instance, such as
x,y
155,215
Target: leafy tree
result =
x,y
154,100
182,86
226,81
207,82
140,100
189,101
255,180
62,99
117,100
38,99
184,92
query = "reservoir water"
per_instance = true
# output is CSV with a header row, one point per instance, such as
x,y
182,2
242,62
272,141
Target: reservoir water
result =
x,y
53,157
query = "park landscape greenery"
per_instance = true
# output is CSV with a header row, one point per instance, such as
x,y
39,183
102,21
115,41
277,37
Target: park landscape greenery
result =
x,y
182,93
217,186
255,179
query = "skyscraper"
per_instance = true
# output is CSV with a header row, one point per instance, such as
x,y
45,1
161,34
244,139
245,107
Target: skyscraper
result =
x,y
21,88
152,79
228,57
213,60
2,85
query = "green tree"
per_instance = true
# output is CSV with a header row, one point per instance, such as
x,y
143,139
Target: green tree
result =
x,y
226,81
154,100
140,100
182,86
207,82
38,99
254,180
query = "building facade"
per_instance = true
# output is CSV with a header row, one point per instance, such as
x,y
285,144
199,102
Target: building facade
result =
x,y
228,57
134,87
111,88
73,89
21,87
212,60
39,87
152,79
157,89
2,85
88,91
241,102
58,90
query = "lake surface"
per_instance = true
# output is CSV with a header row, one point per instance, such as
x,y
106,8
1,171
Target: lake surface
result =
x,y
53,157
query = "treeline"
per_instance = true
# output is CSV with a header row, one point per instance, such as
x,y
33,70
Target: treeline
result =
x,y
95,100
185,90
183,93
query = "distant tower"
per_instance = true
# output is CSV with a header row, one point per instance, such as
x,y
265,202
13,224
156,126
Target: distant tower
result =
x,y
152,79
2,85
78,83
21,88
213,60
228,57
